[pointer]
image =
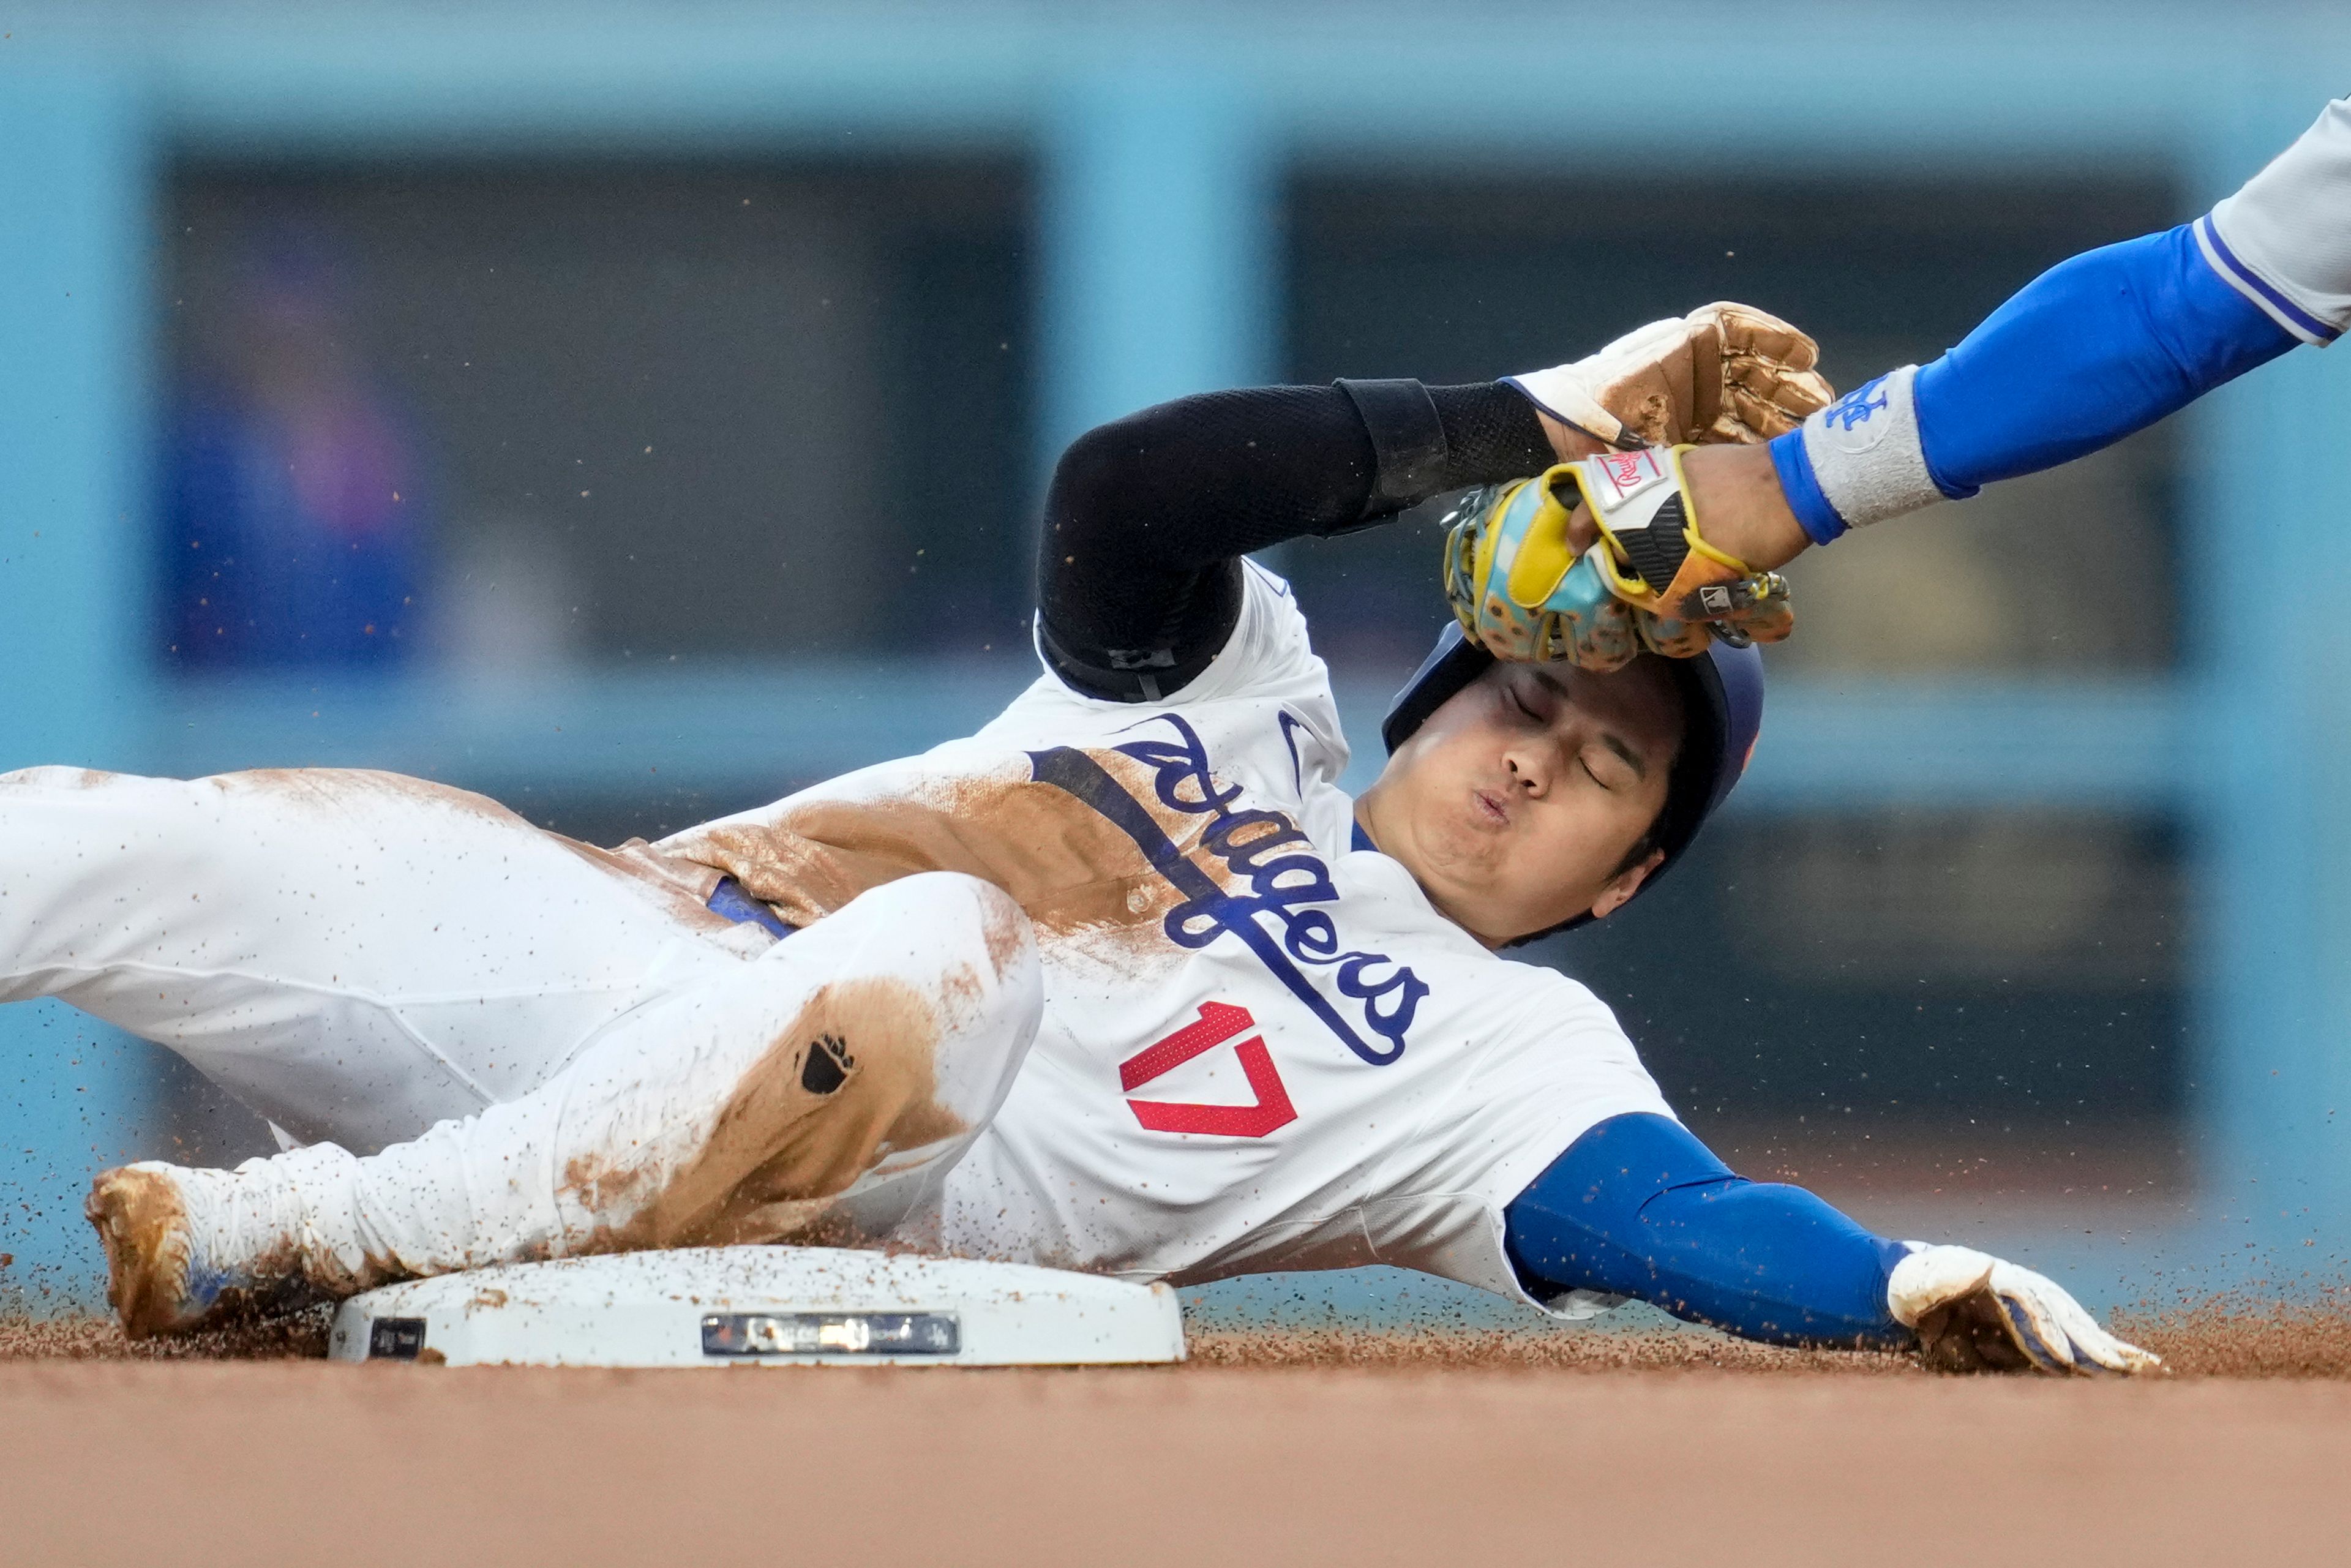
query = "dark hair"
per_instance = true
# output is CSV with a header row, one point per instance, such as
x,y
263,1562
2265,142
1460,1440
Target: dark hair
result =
x,y
1687,785
1642,847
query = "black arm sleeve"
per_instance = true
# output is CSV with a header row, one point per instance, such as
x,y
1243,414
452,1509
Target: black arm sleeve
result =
x,y
1139,581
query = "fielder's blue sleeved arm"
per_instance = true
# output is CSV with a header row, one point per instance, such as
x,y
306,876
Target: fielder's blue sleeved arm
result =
x,y
1637,1207
2093,349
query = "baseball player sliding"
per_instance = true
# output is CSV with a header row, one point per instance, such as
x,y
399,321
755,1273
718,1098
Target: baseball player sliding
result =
x,y
1123,981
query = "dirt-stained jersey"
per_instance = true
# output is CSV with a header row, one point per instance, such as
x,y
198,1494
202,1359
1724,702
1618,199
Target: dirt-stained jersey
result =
x,y
1262,1048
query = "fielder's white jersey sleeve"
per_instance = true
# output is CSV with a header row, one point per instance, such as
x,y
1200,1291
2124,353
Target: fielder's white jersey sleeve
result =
x,y
2283,241
1262,1048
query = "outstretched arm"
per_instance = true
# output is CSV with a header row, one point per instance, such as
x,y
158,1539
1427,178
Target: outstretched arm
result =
x,y
1139,580
1139,575
2095,349
1637,1207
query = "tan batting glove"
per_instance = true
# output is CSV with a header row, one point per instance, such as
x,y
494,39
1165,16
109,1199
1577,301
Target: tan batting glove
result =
x,y
1724,372
1974,1313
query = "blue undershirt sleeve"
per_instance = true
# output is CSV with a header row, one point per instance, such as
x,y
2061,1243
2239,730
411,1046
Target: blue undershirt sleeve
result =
x,y
1637,1207
2093,350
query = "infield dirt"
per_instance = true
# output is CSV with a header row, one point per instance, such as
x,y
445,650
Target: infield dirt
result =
x,y
1277,1448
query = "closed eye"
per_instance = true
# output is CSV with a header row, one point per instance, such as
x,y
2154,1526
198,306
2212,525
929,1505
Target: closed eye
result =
x,y
1611,763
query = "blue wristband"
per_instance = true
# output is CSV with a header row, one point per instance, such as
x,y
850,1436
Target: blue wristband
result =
x,y
1802,489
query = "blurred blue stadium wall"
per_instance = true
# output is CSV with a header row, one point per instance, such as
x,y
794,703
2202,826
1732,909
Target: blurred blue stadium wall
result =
x,y
1158,134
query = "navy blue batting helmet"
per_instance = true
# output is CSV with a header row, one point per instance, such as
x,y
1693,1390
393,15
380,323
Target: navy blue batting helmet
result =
x,y
1722,707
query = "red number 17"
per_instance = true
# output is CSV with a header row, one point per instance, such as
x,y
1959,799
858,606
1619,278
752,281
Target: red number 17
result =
x,y
1218,1022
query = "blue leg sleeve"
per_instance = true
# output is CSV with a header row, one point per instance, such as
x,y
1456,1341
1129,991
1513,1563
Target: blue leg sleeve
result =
x,y
2089,351
1637,1207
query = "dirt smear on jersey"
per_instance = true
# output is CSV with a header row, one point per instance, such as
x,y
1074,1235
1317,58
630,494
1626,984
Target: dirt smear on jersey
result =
x,y
1070,868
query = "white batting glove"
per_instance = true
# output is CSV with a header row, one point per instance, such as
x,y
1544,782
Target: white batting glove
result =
x,y
1973,1313
1724,372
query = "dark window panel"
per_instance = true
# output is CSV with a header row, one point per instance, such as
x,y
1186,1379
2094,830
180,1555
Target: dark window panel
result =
x,y
1899,967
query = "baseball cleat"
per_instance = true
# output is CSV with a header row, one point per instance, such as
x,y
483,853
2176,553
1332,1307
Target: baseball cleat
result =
x,y
152,1281
169,1266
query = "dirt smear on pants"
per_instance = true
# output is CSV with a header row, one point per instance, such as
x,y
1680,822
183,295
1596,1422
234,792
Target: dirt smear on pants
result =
x,y
798,1128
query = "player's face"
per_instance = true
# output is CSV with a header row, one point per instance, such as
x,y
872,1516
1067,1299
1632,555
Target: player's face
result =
x,y
1515,805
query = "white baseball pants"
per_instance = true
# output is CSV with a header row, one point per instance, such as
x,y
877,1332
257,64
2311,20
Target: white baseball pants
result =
x,y
548,1052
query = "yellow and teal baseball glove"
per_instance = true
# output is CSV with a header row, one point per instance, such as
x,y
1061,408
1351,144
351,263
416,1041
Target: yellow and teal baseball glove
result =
x,y
1646,582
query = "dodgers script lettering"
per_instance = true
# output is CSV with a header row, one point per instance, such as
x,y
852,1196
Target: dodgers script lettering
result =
x,y
1280,885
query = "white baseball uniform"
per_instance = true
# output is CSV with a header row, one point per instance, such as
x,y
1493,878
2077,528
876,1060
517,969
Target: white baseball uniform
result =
x,y
1260,1047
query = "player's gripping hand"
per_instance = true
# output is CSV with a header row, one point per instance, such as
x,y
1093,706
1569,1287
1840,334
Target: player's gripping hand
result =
x,y
1518,584
1723,373
1973,1313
